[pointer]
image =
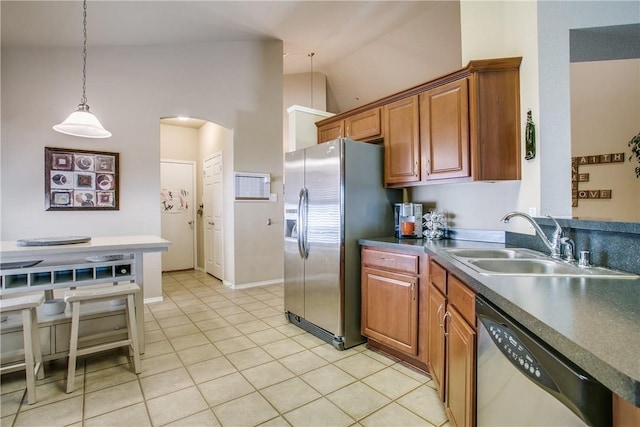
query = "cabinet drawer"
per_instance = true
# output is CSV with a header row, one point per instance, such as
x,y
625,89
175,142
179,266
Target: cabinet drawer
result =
x,y
13,344
463,299
390,261
438,276
106,329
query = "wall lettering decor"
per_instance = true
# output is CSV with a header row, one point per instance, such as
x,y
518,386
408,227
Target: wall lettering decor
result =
x,y
80,180
578,177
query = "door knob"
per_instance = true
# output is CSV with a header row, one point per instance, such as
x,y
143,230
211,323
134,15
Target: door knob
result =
x,y
210,222
190,222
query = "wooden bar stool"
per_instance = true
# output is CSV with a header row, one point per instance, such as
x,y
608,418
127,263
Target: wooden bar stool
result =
x,y
78,296
32,364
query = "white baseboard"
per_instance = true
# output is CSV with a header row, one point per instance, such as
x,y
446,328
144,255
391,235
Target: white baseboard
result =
x,y
153,300
253,284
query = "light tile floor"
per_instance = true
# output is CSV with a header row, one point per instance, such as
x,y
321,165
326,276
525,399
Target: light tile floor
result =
x,y
217,356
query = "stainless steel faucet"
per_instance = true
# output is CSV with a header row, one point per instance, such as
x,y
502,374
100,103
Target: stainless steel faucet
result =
x,y
554,244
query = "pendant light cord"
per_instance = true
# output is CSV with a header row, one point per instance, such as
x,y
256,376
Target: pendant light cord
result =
x,y
311,59
83,100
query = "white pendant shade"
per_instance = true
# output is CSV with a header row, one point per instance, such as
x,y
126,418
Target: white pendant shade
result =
x,y
82,123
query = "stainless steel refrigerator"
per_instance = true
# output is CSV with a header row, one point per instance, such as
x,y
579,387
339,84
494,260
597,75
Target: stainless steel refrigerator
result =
x,y
334,195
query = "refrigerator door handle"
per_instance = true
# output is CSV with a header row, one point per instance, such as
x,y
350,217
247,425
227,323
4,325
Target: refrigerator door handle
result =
x,y
300,223
305,211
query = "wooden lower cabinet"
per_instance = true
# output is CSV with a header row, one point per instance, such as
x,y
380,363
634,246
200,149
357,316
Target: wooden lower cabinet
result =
x,y
436,338
452,343
625,414
393,307
460,370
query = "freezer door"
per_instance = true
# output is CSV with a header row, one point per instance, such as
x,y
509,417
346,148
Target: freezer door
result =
x,y
323,284
293,261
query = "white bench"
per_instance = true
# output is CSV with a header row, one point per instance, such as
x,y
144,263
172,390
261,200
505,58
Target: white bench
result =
x,y
32,364
79,296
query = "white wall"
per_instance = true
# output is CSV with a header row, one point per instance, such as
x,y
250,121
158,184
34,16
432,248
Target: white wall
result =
x,y
237,84
555,19
303,89
597,128
404,57
178,143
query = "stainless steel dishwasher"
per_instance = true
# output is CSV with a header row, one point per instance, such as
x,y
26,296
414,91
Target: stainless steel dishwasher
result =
x,y
523,382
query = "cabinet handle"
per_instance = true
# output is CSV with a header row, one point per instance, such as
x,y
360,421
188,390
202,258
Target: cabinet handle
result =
x,y
387,259
444,322
438,316
415,168
348,131
413,291
428,167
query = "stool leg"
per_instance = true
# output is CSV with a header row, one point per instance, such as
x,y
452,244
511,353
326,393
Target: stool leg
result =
x,y
28,356
132,330
35,338
73,345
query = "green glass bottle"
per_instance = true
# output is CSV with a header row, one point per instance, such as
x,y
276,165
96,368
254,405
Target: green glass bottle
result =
x,y
530,138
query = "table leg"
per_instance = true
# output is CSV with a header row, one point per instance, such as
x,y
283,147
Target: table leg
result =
x,y
140,298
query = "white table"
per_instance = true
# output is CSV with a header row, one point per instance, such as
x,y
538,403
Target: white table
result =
x,y
64,266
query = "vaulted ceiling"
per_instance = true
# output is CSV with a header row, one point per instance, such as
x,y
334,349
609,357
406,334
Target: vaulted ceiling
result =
x,y
330,29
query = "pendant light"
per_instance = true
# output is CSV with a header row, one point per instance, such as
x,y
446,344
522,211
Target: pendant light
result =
x,y
82,122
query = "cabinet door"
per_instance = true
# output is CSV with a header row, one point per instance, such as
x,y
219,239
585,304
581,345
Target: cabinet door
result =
x,y
330,131
460,370
365,125
435,338
401,141
444,131
390,309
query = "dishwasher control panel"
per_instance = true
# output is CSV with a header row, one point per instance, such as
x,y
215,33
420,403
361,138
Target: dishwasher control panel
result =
x,y
517,353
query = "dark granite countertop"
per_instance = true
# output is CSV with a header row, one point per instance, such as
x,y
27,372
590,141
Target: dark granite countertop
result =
x,y
595,323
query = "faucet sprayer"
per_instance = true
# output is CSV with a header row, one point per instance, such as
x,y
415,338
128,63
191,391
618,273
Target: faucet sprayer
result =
x,y
554,244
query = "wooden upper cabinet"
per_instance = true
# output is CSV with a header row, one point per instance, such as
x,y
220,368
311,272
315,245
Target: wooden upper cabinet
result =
x,y
401,141
330,131
494,117
444,131
364,125
464,126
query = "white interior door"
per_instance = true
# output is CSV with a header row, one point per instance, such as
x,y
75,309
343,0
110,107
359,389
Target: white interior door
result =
x,y
213,217
177,183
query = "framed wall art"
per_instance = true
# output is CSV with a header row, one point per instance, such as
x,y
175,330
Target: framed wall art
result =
x,y
80,180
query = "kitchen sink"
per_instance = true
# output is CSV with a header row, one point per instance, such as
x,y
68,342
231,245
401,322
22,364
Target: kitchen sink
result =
x,y
527,262
494,253
542,267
